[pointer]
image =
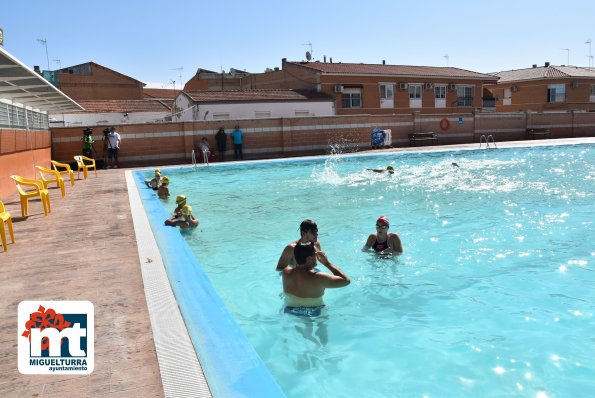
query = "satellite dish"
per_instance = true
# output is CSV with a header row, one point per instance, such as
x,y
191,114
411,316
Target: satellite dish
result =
x,y
308,55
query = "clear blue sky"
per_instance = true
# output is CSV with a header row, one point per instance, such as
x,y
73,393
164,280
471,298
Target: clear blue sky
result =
x,y
148,39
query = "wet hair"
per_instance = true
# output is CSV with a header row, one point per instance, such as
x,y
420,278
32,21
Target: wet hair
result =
x,y
302,251
308,226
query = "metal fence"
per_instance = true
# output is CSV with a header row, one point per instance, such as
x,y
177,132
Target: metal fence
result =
x,y
20,118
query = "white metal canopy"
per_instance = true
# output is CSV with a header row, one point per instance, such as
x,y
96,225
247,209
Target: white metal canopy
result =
x,y
20,84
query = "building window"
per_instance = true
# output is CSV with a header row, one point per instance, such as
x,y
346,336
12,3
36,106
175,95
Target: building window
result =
x,y
386,91
464,95
220,116
352,98
415,91
440,92
302,113
556,93
592,89
262,114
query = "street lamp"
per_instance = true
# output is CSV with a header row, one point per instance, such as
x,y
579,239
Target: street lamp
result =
x,y
45,43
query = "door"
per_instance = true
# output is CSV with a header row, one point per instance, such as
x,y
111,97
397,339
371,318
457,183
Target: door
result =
x,y
387,94
415,96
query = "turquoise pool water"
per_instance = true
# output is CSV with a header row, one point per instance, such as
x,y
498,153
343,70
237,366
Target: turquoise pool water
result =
x,y
494,295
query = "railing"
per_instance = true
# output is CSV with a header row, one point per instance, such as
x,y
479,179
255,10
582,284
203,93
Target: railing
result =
x,y
465,101
489,102
20,118
487,140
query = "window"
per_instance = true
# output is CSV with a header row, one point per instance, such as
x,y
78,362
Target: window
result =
x,y
302,113
415,91
352,98
220,116
262,114
556,93
592,89
386,91
464,95
440,92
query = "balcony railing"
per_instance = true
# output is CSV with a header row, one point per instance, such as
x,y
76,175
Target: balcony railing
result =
x,y
465,101
489,102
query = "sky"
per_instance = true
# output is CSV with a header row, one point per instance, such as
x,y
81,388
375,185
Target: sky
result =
x,y
163,43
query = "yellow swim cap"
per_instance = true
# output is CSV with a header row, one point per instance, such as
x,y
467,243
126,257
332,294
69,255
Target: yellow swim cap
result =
x,y
165,180
390,168
157,172
186,210
180,199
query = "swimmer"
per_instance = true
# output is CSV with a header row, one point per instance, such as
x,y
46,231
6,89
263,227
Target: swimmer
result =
x,y
308,233
303,286
384,242
389,169
153,183
163,190
181,202
455,164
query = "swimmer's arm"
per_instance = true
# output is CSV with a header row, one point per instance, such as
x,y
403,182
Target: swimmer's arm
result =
x,y
396,244
369,243
285,258
337,279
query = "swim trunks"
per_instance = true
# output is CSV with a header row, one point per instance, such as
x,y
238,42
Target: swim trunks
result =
x,y
303,306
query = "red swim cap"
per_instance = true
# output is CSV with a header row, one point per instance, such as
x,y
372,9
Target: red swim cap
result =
x,y
383,220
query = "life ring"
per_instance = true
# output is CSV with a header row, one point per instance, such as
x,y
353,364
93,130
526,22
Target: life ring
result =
x,y
444,124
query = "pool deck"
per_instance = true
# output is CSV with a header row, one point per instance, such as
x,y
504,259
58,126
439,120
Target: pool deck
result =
x,y
86,249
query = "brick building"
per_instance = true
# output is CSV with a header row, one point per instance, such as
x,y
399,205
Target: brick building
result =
x,y
91,81
381,88
545,88
214,81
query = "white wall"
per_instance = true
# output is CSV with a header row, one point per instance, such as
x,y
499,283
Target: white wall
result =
x,y
94,119
248,110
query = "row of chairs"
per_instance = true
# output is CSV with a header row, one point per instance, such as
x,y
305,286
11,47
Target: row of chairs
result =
x,y
40,189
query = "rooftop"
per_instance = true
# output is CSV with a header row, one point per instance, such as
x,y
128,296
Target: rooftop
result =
x,y
256,95
121,106
393,70
545,72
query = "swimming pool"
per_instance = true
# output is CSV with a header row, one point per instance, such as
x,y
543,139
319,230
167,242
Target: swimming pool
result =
x,y
492,297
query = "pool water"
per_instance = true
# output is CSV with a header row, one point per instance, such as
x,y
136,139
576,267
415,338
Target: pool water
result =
x,y
493,296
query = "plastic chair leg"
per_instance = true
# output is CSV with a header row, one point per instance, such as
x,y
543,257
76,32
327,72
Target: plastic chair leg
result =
x,y
24,207
3,237
9,222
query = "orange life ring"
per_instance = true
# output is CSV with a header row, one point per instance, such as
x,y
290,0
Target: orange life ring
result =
x,y
444,124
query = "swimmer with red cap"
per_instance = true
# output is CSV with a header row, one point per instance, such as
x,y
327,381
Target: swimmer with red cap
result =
x,y
384,242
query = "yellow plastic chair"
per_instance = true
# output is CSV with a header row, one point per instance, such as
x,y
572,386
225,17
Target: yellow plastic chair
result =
x,y
67,171
57,178
40,191
80,161
5,218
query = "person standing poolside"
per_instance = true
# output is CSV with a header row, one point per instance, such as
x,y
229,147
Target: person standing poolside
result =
x,y
308,233
221,139
304,287
238,139
384,242
113,147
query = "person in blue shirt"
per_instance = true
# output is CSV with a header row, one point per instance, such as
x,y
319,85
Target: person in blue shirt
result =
x,y
237,136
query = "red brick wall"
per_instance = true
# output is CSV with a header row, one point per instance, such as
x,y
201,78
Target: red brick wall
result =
x,y
101,84
20,152
172,143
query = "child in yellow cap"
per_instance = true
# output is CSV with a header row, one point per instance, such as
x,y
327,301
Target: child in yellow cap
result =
x,y
163,190
153,183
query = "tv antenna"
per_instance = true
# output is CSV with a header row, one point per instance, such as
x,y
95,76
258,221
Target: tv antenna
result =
x,y
447,59
590,56
180,69
44,42
56,60
567,55
309,53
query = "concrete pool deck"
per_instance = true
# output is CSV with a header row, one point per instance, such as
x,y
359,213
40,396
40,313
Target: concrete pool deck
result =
x,y
86,249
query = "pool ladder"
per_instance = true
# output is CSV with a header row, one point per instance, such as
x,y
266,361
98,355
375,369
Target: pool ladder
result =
x,y
194,159
487,140
194,163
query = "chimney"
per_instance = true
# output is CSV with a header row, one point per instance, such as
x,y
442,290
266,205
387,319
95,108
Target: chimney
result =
x,y
36,69
535,65
331,59
547,64
283,60
383,62
324,57
276,69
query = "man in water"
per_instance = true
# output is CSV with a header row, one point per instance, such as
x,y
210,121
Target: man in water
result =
x,y
389,170
308,233
303,286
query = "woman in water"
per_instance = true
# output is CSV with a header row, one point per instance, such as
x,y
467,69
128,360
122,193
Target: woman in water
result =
x,y
384,242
